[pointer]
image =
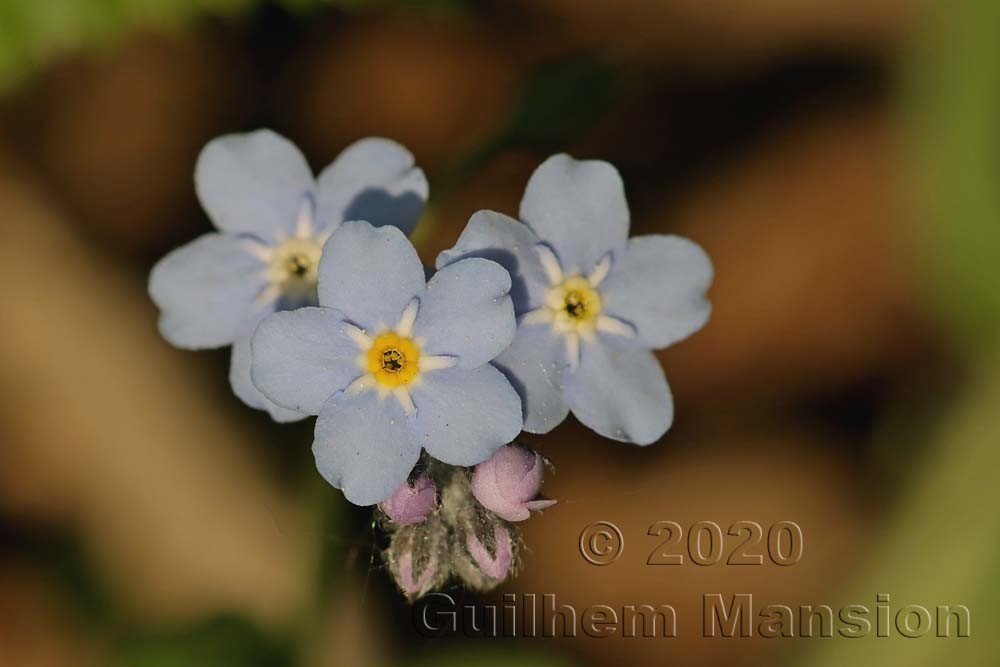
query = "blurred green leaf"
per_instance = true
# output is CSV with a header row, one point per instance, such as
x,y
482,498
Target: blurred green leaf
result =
x,y
478,654
33,31
226,641
62,557
954,108
563,99
941,545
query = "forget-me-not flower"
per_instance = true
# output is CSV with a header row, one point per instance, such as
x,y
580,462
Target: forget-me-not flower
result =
x,y
591,303
273,218
393,363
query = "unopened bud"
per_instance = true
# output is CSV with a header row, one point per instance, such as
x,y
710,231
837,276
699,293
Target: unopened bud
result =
x,y
508,483
412,502
417,557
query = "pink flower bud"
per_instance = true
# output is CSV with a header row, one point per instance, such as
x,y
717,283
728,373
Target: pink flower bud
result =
x,y
497,565
508,483
412,502
415,586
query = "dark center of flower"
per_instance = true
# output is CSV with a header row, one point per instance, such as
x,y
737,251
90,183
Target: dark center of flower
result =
x,y
393,360
576,305
297,265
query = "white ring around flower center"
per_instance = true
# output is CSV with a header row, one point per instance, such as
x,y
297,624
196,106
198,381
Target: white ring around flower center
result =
x,y
291,264
399,379
574,305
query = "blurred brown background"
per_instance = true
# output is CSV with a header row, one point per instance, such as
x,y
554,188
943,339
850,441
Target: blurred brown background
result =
x,y
150,518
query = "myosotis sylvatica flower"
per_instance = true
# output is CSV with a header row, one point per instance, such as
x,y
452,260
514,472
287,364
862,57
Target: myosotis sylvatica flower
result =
x,y
591,303
273,218
420,386
393,364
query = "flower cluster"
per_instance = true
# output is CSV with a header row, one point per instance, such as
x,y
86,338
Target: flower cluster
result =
x,y
419,384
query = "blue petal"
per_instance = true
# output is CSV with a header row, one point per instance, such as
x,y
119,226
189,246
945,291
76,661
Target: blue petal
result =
x,y
206,291
579,208
510,244
463,416
362,446
535,364
620,392
658,285
370,274
243,387
253,183
375,180
303,357
466,312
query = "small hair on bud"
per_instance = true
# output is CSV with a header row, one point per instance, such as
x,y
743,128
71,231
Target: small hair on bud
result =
x,y
417,557
496,563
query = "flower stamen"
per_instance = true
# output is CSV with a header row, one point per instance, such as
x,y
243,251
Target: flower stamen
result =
x,y
393,360
575,305
294,265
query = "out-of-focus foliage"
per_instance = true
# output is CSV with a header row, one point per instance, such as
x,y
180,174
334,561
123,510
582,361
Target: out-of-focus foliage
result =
x,y
564,98
491,656
955,108
822,288
31,32
943,547
223,641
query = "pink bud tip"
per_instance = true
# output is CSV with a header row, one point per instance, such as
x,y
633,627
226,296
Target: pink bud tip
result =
x,y
414,586
495,566
411,503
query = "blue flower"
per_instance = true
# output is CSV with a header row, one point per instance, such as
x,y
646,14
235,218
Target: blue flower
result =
x,y
273,218
591,303
393,364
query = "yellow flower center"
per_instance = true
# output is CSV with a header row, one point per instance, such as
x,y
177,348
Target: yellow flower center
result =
x,y
294,264
575,304
393,359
